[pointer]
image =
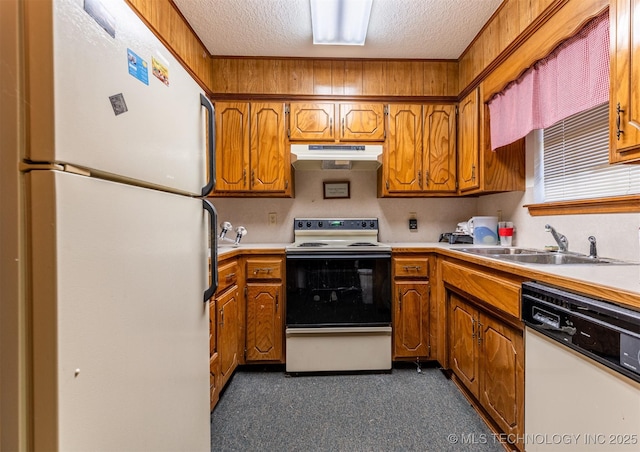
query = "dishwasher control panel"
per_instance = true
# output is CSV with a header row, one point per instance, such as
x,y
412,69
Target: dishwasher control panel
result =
x,y
601,330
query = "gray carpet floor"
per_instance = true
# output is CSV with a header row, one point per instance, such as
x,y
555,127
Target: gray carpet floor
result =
x,y
399,411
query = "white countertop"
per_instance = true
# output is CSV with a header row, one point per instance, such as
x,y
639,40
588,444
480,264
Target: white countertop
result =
x,y
623,278
617,277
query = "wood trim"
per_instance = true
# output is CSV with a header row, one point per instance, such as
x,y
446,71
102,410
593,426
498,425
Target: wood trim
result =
x,y
617,204
332,98
505,53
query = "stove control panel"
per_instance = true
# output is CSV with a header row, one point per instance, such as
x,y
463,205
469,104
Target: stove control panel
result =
x,y
328,224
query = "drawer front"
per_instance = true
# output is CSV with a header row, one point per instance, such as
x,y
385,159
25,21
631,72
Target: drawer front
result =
x,y
264,269
499,292
416,267
227,275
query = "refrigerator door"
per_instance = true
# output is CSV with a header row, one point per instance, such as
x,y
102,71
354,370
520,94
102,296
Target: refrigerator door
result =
x,y
120,329
94,100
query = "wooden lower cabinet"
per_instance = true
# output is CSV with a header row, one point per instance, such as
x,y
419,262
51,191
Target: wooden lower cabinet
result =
x,y
264,304
214,380
264,322
411,320
228,331
487,357
411,307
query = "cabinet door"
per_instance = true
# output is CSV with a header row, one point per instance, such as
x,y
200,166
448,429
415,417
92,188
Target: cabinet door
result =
x,y
228,332
440,148
469,142
625,78
232,146
502,374
214,380
264,322
311,121
463,342
361,122
411,319
270,161
403,153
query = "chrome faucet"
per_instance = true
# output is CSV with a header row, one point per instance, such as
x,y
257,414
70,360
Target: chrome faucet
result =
x,y
241,231
561,240
593,252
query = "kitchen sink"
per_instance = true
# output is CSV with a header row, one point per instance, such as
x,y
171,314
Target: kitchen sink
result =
x,y
557,259
533,256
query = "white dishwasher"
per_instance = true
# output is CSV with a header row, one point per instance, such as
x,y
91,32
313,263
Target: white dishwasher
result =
x,y
582,372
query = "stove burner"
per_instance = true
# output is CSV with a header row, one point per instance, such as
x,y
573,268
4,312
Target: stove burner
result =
x,y
362,244
312,244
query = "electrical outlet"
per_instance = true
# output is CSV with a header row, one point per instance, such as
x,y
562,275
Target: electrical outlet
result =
x,y
273,218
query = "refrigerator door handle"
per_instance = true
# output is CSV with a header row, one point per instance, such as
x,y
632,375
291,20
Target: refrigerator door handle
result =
x,y
210,146
213,215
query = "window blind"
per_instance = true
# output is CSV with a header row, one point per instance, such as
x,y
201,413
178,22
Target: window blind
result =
x,y
576,160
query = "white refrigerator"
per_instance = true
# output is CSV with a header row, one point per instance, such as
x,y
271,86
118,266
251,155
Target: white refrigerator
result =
x,y
118,158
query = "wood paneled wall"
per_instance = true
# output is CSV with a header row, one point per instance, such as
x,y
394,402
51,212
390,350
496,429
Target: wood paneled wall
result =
x,y
172,28
507,24
319,77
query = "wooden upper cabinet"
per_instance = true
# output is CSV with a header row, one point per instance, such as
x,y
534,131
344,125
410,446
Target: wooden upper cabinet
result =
x,y
362,122
311,121
402,159
469,142
624,113
317,122
440,148
251,153
270,160
232,146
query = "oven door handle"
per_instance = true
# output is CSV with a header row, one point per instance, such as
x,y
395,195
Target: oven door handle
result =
x,y
322,255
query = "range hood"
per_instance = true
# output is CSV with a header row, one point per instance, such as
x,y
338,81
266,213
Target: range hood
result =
x,y
336,156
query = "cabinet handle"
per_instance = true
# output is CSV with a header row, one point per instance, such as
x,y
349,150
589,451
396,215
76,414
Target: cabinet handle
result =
x,y
420,178
387,184
244,177
473,173
331,126
412,267
473,328
479,332
265,270
342,126
276,302
221,318
286,184
618,130
426,178
399,300
253,175
230,276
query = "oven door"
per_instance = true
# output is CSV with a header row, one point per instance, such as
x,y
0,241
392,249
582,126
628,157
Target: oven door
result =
x,y
338,290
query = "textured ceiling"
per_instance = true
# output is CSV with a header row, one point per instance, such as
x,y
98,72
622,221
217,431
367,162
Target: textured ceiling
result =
x,y
418,29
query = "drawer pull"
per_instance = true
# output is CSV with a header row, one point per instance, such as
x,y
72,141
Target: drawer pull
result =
x,y
262,270
412,267
230,276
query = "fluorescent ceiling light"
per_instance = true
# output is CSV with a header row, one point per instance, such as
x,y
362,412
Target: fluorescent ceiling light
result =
x,y
340,22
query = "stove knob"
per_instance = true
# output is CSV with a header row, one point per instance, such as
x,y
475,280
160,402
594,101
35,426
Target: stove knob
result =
x,y
364,224
320,224
372,225
308,224
299,224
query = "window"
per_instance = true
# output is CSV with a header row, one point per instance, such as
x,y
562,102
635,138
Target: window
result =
x,y
576,160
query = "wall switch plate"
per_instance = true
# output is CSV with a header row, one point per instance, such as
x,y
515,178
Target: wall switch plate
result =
x,y
273,218
413,224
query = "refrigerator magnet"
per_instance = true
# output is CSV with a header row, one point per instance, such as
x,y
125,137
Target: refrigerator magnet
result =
x,y
138,67
160,71
118,104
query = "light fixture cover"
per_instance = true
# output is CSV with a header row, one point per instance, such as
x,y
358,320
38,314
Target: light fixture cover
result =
x,y
340,22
